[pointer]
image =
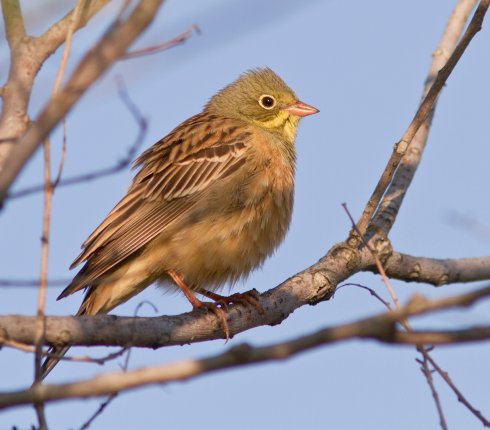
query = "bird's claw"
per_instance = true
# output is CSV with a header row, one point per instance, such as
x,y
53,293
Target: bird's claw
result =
x,y
220,314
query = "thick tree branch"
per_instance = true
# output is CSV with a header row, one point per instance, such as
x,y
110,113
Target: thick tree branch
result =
x,y
310,286
380,327
307,287
111,47
27,55
436,271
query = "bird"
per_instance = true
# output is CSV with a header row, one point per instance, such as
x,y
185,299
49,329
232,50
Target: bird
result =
x,y
209,203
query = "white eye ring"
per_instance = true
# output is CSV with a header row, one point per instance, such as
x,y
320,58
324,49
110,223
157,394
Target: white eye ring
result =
x,y
267,101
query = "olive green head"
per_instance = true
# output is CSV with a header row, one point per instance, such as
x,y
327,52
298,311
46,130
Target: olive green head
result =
x,y
262,98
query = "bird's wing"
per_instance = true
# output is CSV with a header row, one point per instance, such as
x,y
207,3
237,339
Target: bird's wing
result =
x,y
174,173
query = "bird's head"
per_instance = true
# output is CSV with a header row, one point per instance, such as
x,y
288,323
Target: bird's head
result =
x,y
260,97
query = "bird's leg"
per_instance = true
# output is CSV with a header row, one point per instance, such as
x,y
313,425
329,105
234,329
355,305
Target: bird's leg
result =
x,y
250,297
197,304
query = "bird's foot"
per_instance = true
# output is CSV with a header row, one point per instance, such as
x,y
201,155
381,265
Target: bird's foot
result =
x,y
218,311
250,297
197,304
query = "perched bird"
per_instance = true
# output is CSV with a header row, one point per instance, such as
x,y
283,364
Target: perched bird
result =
x,y
210,202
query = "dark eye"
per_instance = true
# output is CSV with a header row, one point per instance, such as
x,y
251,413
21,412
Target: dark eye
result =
x,y
267,102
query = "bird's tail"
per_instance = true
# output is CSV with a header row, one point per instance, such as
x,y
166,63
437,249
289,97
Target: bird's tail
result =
x,y
99,299
56,353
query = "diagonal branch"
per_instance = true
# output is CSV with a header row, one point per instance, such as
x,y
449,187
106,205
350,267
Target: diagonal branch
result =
x,y
111,47
27,55
420,118
393,198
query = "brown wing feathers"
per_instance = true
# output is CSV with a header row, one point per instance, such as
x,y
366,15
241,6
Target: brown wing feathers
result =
x,y
173,174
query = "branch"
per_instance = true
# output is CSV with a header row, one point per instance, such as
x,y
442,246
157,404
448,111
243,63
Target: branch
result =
x,y
27,55
421,116
192,327
310,286
380,327
55,35
111,47
436,271
14,22
118,166
177,40
393,198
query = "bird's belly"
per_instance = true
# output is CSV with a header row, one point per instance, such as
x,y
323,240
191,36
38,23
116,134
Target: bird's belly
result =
x,y
227,247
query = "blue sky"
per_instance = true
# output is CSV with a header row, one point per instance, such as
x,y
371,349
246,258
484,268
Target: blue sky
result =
x,y
363,65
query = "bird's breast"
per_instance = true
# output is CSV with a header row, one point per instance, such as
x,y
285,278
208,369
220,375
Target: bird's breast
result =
x,y
242,223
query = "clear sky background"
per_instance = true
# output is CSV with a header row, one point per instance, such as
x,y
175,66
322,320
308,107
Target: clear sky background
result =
x,y
363,65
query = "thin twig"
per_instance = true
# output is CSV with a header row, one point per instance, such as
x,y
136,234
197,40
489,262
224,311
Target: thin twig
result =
x,y
43,276
177,40
99,410
459,395
427,372
124,368
379,266
32,283
420,347
404,322
48,194
371,291
119,166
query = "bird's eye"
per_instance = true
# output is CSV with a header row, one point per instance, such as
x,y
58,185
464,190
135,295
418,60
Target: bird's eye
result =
x,y
267,101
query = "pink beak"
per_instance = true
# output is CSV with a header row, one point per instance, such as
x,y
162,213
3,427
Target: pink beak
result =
x,y
301,109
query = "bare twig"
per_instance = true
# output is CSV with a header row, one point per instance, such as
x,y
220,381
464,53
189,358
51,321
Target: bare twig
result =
x,y
43,276
379,266
32,283
177,40
425,368
458,393
57,34
75,19
119,166
124,368
48,195
99,410
421,115
404,322
371,291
